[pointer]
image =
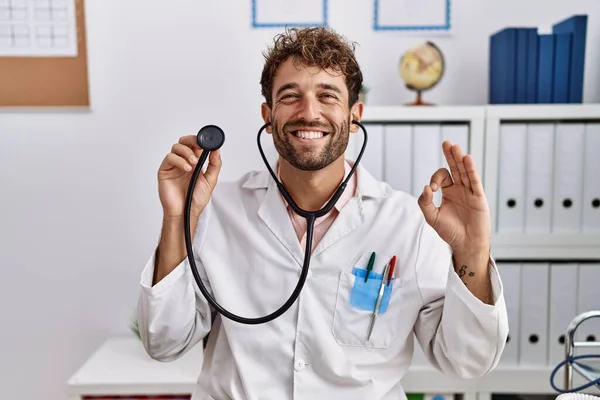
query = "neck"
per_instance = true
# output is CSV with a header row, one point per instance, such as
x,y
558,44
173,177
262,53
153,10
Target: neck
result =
x,y
312,189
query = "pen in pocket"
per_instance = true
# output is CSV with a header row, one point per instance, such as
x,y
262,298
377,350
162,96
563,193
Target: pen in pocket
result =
x,y
391,272
370,266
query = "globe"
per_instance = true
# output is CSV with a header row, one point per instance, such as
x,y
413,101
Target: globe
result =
x,y
421,68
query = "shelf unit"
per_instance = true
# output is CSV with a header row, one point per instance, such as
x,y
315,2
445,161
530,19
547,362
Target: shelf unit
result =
x,y
529,246
484,127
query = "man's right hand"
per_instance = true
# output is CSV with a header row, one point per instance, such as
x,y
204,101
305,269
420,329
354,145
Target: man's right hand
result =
x,y
175,173
174,176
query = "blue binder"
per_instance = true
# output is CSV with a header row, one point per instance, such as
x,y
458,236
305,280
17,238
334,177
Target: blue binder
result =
x,y
545,70
503,66
562,67
577,27
532,66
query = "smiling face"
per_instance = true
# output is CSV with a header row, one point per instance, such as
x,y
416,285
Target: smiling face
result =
x,y
310,117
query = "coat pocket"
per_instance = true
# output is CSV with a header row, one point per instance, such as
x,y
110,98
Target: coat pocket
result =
x,y
354,309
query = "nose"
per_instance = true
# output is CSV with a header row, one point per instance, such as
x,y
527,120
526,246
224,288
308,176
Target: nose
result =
x,y
310,110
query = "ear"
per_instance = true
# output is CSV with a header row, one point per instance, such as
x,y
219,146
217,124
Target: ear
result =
x,y
265,111
356,112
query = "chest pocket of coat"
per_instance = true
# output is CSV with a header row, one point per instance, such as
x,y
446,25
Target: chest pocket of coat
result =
x,y
355,304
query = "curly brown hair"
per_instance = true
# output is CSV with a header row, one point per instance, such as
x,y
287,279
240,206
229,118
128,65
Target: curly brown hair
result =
x,y
314,46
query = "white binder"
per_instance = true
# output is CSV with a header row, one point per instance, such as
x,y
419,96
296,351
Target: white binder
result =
x,y
563,308
588,299
568,178
426,157
538,192
511,178
591,180
398,157
534,315
372,158
511,282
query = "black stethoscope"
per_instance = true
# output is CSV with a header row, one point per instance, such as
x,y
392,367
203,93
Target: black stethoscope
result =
x,y
211,138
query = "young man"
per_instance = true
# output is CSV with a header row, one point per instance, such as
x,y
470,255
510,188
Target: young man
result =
x,y
249,248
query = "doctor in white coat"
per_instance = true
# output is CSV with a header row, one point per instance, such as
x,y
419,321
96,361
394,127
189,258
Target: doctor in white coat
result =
x,y
249,248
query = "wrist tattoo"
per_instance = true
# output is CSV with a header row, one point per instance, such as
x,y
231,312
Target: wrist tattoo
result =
x,y
463,270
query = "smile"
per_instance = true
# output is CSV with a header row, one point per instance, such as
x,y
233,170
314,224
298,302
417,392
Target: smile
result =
x,y
311,135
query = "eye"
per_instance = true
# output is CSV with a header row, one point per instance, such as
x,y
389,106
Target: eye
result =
x,y
288,96
329,96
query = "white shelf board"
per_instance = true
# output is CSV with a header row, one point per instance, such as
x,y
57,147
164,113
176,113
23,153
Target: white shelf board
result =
x,y
121,366
422,113
543,111
521,246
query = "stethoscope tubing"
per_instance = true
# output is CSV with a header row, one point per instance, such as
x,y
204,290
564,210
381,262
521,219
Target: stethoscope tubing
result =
x,y
310,217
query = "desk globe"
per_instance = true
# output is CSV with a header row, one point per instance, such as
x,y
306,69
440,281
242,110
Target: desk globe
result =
x,y
421,68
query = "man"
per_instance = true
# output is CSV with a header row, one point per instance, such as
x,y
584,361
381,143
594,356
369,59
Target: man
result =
x,y
249,247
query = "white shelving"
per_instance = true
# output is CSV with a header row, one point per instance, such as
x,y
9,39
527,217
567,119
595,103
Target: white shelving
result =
x,y
484,126
525,246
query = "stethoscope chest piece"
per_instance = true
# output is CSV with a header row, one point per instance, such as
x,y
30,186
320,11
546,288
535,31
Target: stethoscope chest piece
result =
x,y
210,137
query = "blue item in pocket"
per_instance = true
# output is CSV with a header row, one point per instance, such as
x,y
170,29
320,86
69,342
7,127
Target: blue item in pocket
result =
x,y
364,294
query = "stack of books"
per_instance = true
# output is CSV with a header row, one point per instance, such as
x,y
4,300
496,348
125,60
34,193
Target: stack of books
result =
x,y
528,67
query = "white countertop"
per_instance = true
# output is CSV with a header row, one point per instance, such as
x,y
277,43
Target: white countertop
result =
x,y
121,366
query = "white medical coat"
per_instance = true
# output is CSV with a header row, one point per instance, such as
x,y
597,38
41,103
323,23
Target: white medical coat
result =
x,y
250,259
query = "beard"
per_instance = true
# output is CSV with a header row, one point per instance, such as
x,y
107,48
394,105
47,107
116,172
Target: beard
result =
x,y
308,158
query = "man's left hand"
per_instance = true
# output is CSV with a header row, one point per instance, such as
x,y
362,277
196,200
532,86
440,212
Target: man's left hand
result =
x,y
463,218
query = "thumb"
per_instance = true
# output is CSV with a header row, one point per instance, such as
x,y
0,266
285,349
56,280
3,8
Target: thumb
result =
x,y
214,167
430,211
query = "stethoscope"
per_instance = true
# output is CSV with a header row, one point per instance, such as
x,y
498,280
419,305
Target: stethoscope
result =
x,y
211,138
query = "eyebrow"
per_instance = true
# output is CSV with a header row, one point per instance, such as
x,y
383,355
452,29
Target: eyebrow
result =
x,y
293,85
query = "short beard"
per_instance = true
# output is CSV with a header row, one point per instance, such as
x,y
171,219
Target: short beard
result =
x,y
337,143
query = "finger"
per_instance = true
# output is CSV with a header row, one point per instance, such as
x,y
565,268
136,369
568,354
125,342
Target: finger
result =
x,y
476,185
184,152
440,179
191,141
213,168
430,211
172,160
459,159
447,149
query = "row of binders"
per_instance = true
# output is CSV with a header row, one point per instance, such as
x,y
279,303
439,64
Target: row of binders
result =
x,y
391,153
549,178
541,300
548,173
528,67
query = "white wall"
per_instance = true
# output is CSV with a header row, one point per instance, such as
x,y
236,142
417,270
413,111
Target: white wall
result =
x,y
80,213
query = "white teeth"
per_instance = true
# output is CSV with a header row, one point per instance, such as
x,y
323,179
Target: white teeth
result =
x,y
309,134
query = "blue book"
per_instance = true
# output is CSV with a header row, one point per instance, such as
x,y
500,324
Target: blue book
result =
x,y
562,67
577,26
545,70
532,66
507,65
493,87
521,65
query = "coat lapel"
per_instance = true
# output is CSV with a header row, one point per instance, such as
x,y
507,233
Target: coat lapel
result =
x,y
354,213
273,213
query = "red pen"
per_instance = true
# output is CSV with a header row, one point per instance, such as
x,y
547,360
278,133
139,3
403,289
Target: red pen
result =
x,y
391,272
